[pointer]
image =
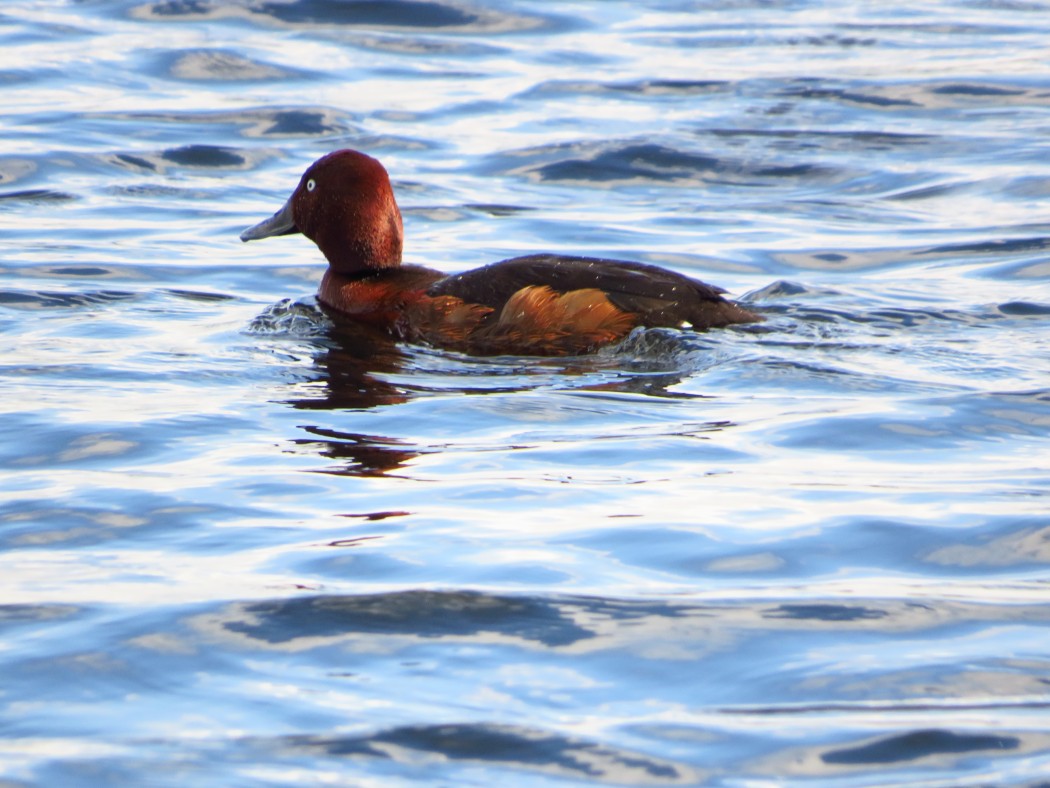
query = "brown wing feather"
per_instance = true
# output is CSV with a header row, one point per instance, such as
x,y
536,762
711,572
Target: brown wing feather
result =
x,y
442,320
539,309
538,321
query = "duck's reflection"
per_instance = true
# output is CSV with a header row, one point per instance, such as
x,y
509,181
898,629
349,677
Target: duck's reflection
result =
x,y
357,454
349,375
359,369
349,372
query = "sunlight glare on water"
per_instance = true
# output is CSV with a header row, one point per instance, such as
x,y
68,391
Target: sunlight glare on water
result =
x,y
245,544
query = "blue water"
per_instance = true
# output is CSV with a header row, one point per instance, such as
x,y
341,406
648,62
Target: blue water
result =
x,y
241,546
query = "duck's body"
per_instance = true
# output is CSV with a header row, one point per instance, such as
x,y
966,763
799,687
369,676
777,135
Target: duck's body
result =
x,y
541,304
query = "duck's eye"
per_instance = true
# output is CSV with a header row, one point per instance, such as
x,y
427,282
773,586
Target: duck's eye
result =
x,y
311,185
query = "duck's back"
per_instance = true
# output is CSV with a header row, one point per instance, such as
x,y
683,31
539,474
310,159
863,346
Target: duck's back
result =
x,y
650,295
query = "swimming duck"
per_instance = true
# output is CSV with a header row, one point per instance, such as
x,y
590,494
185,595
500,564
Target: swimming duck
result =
x,y
540,304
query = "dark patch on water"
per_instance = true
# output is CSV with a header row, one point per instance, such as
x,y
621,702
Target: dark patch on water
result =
x,y
832,39
1024,309
826,612
386,13
199,296
192,157
383,14
919,744
499,210
208,156
83,270
59,300
613,164
644,162
848,96
425,614
825,141
36,196
514,746
302,123
610,164
642,89
996,246
376,516
981,91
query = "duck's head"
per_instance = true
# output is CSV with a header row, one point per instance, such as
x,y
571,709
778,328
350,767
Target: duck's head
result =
x,y
344,203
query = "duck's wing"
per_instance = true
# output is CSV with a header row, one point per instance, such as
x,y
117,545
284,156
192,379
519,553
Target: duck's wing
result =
x,y
653,295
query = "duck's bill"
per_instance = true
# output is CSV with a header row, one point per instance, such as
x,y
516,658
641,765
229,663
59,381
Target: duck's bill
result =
x,y
281,223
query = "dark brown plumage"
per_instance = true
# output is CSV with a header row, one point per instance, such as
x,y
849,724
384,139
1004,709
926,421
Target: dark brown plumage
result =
x,y
541,304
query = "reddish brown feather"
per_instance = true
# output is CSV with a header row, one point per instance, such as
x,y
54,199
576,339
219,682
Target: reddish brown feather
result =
x,y
538,309
537,320
442,320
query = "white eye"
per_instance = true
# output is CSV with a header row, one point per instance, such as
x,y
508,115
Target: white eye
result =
x,y
311,185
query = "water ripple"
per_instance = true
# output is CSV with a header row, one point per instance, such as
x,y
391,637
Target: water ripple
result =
x,y
245,545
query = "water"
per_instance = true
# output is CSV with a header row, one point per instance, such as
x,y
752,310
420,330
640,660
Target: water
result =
x,y
241,546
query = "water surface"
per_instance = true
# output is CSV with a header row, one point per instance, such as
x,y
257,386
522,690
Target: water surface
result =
x,y
241,546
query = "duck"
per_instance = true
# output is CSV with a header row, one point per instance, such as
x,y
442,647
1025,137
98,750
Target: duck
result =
x,y
534,305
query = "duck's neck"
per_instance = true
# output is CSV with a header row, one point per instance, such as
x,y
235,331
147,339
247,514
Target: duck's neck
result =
x,y
374,244
375,296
